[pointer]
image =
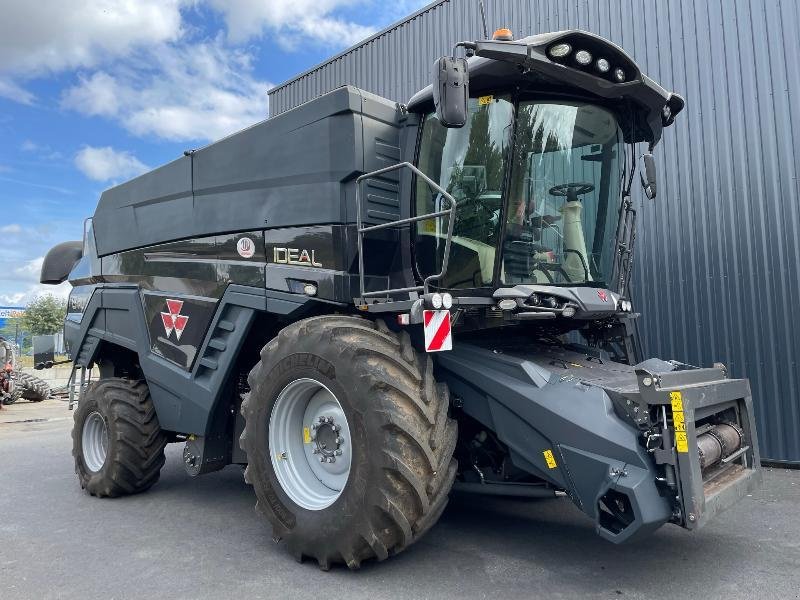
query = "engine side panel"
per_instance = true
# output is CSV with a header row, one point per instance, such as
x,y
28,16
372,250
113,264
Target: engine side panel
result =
x,y
184,399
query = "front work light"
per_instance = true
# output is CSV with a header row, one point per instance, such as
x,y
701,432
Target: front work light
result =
x,y
602,65
436,301
447,301
559,50
619,75
582,57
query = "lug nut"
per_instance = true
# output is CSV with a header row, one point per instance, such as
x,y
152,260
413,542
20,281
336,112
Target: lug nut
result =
x,y
322,459
322,419
332,459
338,452
337,428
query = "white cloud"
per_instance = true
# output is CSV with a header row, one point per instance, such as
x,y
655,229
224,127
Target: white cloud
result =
x,y
31,292
200,91
104,164
292,21
12,91
53,35
141,64
30,270
23,285
42,150
10,229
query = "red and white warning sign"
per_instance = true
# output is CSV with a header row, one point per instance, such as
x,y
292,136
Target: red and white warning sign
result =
x,y
437,330
173,319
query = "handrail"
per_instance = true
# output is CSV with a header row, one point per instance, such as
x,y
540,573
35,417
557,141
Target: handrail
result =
x,y
362,230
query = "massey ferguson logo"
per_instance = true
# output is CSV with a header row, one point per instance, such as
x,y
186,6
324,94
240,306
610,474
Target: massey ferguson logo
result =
x,y
295,256
602,295
173,319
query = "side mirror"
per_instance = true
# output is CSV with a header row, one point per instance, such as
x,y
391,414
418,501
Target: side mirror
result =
x,y
647,172
451,90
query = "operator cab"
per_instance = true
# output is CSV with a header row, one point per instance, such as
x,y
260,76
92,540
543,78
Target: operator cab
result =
x,y
539,179
535,140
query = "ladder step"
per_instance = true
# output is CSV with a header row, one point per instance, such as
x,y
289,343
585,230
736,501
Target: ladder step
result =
x,y
217,344
209,363
226,325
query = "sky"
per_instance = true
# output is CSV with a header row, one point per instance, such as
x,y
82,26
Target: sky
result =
x,y
93,93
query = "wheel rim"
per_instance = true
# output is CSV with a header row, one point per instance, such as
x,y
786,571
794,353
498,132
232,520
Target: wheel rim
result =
x,y
94,441
310,444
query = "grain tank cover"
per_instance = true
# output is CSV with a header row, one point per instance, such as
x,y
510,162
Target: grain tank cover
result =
x,y
294,169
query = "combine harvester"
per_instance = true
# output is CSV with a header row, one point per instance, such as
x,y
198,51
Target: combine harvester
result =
x,y
369,304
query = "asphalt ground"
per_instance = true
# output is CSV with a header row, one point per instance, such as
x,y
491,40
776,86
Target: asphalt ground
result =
x,y
201,538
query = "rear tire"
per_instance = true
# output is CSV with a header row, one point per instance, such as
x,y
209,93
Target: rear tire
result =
x,y
31,387
401,440
117,443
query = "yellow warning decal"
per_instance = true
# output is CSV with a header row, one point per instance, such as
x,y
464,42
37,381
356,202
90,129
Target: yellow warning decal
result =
x,y
306,435
678,421
429,226
676,398
550,459
483,101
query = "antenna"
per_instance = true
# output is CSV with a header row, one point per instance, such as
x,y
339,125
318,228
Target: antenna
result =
x,y
483,18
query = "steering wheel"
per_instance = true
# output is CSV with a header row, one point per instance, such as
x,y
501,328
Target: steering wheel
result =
x,y
572,190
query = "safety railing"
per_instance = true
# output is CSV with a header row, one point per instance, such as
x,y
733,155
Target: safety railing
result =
x,y
451,211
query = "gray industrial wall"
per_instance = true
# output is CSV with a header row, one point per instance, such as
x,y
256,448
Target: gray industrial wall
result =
x,y
718,252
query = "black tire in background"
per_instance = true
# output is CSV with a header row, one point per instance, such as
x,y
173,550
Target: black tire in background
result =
x,y
402,465
31,387
13,396
136,443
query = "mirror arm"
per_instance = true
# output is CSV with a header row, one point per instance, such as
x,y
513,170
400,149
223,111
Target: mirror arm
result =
x,y
469,48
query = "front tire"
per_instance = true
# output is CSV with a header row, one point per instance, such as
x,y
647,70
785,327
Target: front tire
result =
x,y
117,443
399,438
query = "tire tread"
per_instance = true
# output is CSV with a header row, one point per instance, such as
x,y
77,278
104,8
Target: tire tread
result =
x,y
419,437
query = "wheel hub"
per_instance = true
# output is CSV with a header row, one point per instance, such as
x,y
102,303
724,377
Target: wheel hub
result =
x,y
327,439
309,444
94,441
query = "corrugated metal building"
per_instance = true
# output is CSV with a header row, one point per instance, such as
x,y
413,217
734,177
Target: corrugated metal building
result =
x,y
717,271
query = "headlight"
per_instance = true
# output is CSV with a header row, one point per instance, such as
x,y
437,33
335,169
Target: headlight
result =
x,y
569,311
619,75
507,304
559,50
602,65
582,57
447,301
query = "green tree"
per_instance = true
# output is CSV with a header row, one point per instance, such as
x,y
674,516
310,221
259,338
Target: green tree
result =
x,y
44,315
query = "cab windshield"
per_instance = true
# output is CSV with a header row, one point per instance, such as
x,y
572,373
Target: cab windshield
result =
x,y
555,218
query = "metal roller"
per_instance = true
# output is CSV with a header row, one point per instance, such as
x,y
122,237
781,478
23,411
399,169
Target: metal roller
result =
x,y
718,443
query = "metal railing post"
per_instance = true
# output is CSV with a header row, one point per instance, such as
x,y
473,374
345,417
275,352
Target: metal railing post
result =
x,y
451,211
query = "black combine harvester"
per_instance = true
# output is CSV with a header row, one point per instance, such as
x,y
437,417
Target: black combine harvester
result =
x,y
369,304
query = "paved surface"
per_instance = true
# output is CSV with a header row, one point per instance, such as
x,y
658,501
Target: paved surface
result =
x,y
200,538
